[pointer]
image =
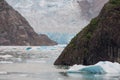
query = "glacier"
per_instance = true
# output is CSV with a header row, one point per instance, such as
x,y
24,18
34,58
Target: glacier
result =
x,y
102,67
51,15
60,38
58,15
59,19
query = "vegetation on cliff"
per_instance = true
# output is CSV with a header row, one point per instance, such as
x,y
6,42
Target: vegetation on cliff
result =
x,y
99,41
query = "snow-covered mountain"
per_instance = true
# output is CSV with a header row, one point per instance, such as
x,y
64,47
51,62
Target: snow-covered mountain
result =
x,y
58,15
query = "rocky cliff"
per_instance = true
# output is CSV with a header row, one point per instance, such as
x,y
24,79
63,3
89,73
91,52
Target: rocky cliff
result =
x,y
15,30
46,40
99,41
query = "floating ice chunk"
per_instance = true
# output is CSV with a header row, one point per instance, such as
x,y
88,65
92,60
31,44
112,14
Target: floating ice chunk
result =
x,y
6,56
36,61
28,48
6,62
94,69
3,73
99,68
110,67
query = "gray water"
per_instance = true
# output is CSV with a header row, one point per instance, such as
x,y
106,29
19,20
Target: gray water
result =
x,y
36,63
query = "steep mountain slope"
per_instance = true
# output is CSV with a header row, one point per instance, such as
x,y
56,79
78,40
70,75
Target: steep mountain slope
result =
x,y
67,16
15,30
99,41
46,40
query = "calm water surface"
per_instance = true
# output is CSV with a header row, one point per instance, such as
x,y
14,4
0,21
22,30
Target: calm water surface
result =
x,y
36,63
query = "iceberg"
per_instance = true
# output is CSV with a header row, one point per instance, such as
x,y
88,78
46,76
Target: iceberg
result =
x,y
6,62
6,56
3,73
28,48
103,67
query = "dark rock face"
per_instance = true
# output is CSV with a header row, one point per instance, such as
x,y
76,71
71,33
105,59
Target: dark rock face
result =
x,y
15,30
99,41
45,39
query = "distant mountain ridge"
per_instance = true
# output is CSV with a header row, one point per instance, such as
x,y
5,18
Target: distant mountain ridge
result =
x,y
15,30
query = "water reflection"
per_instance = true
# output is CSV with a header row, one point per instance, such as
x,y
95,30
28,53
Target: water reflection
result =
x,y
82,76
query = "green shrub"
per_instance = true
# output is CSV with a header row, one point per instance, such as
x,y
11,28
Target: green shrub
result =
x,y
115,2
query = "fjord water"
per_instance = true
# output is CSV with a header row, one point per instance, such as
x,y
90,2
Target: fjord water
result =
x,y
36,63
